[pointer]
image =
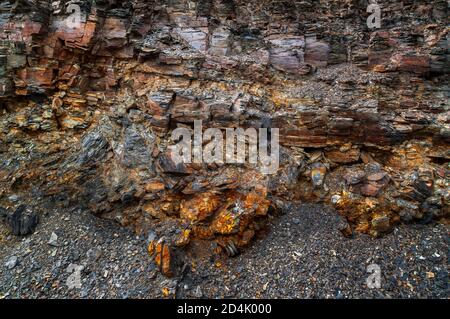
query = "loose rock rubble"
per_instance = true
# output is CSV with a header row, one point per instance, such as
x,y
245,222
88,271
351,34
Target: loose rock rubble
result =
x,y
303,256
87,113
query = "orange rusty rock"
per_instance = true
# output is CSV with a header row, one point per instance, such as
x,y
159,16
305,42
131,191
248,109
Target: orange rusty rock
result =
x,y
255,202
371,189
203,232
166,261
162,258
246,237
57,103
184,238
151,248
158,250
343,157
380,223
170,207
200,207
227,220
362,226
150,209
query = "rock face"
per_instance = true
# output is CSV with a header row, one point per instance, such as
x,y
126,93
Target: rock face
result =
x,y
88,103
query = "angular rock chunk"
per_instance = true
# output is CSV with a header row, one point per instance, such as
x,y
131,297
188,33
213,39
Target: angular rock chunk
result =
x,y
23,221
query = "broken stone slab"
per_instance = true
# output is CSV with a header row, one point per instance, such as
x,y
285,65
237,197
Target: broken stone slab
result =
x,y
53,241
23,221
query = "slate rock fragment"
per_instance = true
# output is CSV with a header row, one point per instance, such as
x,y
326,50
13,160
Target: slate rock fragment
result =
x,y
23,221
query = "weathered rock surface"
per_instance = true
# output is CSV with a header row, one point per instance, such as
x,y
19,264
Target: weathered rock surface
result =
x,y
87,110
22,221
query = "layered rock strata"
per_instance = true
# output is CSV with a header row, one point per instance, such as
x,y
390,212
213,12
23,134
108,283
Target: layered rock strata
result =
x,y
88,103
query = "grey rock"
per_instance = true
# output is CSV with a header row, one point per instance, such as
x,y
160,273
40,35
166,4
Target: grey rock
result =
x,y
94,254
53,241
137,148
94,147
22,222
13,198
198,293
12,262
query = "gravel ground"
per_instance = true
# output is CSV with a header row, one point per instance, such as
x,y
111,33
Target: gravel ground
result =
x,y
303,255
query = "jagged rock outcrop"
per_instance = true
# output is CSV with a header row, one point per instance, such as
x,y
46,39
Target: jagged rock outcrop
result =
x,y
88,104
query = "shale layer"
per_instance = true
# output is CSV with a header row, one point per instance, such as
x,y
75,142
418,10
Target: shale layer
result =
x,y
88,106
